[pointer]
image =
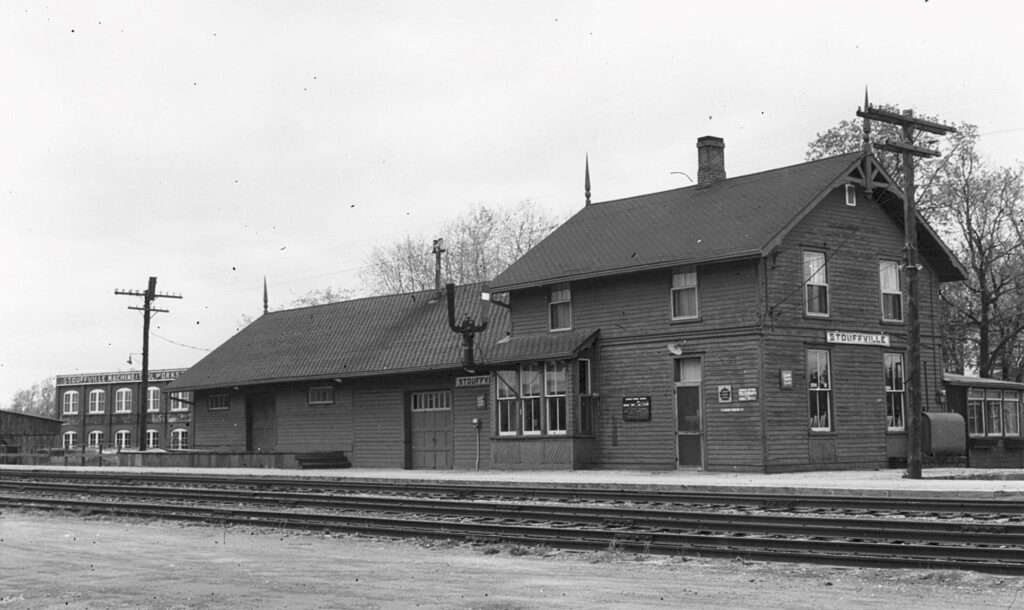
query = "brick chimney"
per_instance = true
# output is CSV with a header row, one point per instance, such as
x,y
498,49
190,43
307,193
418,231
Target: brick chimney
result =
x,y
710,160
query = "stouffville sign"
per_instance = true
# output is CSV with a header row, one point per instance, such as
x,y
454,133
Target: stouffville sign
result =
x,y
853,338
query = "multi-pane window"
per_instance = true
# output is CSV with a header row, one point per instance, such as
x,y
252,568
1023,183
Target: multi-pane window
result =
x,y
560,307
97,401
152,439
123,401
440,400
508,421
1011,413
586,415
153,399
217,402
70,439
975,412
179,439
892,293
556,387
96,439
321,395
815,283
122,439
181,401
70,403
819,389
530,398
993,412
685,300
895,410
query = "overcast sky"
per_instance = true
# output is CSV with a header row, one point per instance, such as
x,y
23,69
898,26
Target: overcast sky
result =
x,y
211,144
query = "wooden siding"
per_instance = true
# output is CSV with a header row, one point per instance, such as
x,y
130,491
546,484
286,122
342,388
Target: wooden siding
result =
x,y
221,430
466,437
378,426
302,427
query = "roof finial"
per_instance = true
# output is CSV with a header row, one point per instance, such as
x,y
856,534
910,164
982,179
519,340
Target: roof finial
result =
x,y
265,294
867,124
586,181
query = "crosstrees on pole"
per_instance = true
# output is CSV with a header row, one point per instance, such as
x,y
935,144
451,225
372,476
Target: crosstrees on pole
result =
x,y
148,296
909,150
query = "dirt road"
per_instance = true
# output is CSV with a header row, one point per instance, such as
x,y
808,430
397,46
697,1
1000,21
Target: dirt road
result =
x,y
69,561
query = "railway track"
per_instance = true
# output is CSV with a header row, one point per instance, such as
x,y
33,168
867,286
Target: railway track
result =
x,y
970,536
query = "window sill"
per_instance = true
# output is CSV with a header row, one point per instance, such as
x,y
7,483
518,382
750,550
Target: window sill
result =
x,y
983,442
1013,442
822,433
885,322
686,320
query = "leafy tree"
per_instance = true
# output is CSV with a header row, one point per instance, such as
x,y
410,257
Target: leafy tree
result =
x,y
36,400
978,210
480,244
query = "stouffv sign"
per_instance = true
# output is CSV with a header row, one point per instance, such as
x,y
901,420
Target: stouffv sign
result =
x,y
854,338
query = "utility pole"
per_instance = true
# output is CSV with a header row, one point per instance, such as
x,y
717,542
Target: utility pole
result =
x,y
148,296
909,150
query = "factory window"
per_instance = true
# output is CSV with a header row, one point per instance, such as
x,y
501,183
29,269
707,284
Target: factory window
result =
x,y
556,385
96,439
431,401
181,401
152,439
819,390
123,401
123,439
179,439
153,399
685,300
70,439
321,395
560,307
892,294
894,393
97,401
815,283
70,403
218,402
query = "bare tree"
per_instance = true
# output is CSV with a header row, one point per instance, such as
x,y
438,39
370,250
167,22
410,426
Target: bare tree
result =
x,y
480,244
36,400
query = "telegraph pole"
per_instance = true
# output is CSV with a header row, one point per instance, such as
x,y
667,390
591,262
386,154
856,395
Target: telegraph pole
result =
x,y
909,150
148,296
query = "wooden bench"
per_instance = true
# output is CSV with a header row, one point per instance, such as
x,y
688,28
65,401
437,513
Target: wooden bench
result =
x,y
323,459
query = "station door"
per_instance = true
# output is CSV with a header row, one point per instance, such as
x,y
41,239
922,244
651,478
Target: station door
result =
x,y
261,417
689,415
431,429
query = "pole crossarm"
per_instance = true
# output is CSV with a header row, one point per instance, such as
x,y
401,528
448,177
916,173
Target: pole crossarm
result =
x,y
913,149
903,120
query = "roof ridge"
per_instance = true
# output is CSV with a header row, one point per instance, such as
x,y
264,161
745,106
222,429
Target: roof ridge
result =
x,y
366,298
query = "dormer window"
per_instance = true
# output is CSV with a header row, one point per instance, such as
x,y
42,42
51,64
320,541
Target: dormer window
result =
x,y
560,307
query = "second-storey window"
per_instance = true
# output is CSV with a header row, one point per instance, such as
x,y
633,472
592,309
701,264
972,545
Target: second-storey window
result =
x,y
815,283
152,399
560,307
894,393
70,403
97,401
123,401
181,401
819,389
685,300
892,294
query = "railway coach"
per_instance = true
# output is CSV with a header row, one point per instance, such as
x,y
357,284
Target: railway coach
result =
x,y
745,324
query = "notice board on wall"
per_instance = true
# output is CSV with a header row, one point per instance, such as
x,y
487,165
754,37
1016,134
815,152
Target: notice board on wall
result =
x,y
636,408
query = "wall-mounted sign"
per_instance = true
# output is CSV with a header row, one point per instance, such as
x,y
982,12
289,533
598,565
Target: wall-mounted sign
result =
x,y
854,338
636,408
731,409
474,381
725,393
786,379
481,401
127,377
746,394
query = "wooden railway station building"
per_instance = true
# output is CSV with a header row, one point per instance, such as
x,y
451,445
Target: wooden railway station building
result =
x,y
754,323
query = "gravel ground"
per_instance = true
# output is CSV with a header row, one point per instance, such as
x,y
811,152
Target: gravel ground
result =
x,y
71,561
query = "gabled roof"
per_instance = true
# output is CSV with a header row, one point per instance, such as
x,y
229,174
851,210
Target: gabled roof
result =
x,y
732,219
374,336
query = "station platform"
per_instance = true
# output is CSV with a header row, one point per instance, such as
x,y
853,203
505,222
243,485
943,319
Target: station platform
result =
x,y
935,482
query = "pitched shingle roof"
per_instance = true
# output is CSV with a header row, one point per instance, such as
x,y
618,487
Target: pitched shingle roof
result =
x,y
735,218
363,337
